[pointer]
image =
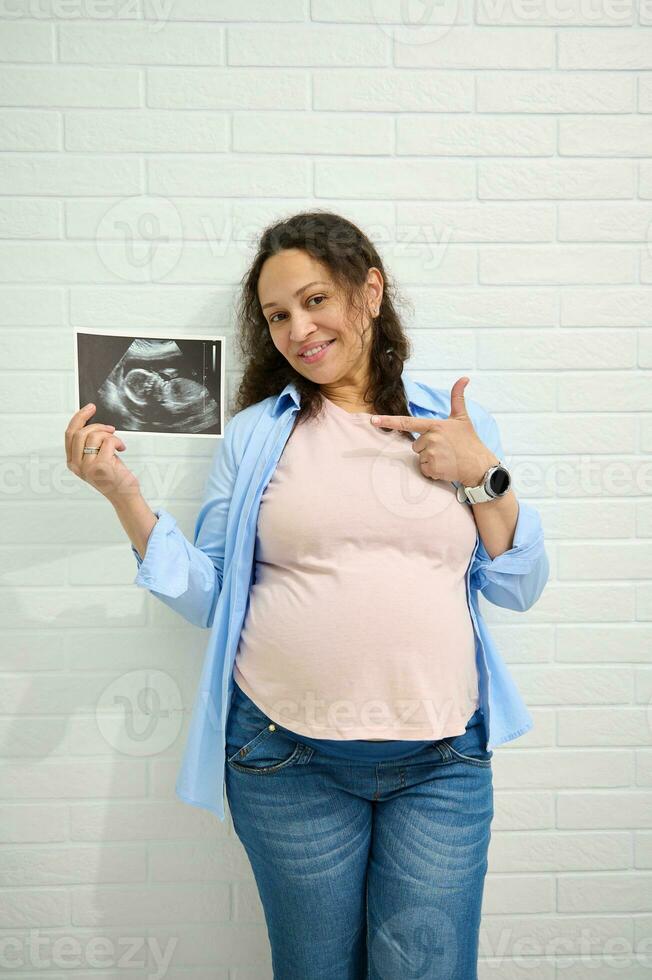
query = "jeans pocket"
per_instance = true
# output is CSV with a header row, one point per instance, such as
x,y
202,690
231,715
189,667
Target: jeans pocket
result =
x,y
471,745
255,744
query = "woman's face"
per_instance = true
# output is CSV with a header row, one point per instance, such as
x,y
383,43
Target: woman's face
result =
x,y
303,310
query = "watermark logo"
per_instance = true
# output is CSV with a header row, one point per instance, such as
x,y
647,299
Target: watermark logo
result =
x,y
140,713
404,491
140,238
415,944
419,21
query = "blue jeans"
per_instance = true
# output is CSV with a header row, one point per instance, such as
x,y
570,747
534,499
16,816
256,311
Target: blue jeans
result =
x,y
365,871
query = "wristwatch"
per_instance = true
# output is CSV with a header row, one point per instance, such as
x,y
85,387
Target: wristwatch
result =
x,y
495,483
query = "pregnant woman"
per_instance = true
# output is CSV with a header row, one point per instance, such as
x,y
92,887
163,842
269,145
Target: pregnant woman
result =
x,y
351,693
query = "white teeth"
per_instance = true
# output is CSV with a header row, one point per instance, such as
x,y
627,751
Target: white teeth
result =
x,y
309,353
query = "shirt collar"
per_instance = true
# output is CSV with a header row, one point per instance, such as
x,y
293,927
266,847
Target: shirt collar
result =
x,y
418,394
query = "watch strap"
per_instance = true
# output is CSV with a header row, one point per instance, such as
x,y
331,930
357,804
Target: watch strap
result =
x,y
479,494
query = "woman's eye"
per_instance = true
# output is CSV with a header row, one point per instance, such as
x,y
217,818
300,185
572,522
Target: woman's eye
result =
x,y
272,319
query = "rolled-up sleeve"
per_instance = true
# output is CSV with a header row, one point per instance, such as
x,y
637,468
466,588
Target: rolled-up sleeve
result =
x,y
161,569
516,578
185,576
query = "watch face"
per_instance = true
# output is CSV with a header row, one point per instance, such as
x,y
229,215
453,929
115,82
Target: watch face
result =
x,y
499,481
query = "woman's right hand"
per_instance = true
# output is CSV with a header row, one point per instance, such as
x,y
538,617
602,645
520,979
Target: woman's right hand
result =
x,y
105,471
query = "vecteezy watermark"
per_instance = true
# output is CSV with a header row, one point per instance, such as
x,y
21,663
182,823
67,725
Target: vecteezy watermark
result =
x,y
585,476
407,943
372,716
418,21
580,12
415,944
403,492
591,950
140,238
427,243
32,952
33,477
140,713
155,13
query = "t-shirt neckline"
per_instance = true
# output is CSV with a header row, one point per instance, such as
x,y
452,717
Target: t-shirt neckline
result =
x,y
362,416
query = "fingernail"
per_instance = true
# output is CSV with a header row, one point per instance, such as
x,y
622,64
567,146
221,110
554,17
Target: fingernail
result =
x,y
375,418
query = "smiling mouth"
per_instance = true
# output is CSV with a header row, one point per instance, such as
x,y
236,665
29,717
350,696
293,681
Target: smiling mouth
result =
x,y
321,350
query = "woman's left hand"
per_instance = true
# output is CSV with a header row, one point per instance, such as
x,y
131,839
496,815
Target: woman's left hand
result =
x,y
449,449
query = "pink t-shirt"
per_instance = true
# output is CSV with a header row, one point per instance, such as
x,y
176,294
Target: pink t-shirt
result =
x,y
357,624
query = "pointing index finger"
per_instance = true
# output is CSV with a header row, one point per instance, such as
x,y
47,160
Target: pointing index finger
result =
x,y
408,423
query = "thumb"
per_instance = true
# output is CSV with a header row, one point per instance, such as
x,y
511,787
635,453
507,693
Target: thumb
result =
x,y
458,405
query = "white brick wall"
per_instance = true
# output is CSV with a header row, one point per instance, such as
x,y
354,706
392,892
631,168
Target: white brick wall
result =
x,y
499,154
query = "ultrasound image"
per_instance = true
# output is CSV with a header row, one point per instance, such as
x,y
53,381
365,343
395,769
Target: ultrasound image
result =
x,y
147,384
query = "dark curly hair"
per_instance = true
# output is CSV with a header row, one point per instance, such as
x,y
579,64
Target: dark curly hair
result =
x,y
348,254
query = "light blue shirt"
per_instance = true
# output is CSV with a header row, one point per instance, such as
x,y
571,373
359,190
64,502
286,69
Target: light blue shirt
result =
x,y
207,582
